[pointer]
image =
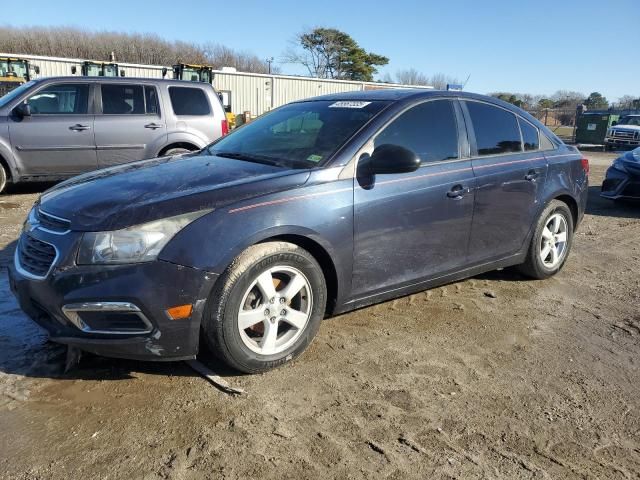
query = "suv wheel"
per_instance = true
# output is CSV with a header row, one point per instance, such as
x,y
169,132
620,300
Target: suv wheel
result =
x,y
3,179
266,308
551,242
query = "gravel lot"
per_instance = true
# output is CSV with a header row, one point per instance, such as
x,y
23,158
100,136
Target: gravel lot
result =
x,y
541,381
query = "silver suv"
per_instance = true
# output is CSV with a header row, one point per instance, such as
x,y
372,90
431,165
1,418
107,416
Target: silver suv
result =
x,y
57,127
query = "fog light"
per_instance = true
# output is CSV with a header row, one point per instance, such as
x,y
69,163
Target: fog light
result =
x,y
179,312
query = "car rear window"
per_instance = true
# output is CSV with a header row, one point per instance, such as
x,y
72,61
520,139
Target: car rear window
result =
x,y
496,129
189,101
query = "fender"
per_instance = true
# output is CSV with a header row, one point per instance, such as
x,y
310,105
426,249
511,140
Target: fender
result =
x,y
7,155
180,136
321,213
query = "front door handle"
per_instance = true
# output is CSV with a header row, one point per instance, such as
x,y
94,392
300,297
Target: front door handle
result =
x,y
531,175
79,128
152,126
458,191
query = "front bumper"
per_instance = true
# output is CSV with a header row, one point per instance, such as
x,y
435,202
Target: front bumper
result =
x,y
150,287
617,142
620,185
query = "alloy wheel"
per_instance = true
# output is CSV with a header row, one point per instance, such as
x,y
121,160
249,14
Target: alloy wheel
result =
x,y
275,310
553,243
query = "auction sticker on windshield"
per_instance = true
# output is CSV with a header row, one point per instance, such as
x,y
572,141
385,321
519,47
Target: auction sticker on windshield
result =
x,y
349,104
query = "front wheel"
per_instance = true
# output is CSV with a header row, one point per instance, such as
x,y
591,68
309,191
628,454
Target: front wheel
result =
x,y
266,308
551,242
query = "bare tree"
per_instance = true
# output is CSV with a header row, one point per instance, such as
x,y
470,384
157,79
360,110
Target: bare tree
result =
x,y
411,76
144,48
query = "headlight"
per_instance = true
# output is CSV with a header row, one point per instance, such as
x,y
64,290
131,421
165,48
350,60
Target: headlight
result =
x,y
618,165
141,243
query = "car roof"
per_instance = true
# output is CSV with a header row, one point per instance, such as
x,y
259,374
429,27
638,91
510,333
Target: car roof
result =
x,y
119,79
411,94
397,94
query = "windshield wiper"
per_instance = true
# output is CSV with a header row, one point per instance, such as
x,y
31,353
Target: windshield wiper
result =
x,y
250,158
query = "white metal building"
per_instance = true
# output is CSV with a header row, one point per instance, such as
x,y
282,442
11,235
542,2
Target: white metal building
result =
x,y
245,92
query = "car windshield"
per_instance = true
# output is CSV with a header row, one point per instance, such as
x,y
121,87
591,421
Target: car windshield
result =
x,y
630,121
6,99
298,135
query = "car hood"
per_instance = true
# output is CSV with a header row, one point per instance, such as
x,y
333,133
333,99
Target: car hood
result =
x,y
144,191
634,128
631,162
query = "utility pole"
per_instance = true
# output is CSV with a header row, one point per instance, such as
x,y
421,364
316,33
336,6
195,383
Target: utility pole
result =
x,y
269,61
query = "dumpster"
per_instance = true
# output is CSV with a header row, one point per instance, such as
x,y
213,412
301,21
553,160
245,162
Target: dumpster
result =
x,y
591,127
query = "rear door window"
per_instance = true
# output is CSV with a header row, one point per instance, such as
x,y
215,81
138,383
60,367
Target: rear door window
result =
x,y
61,99
189,101
428,129
530,136
496,130
123,99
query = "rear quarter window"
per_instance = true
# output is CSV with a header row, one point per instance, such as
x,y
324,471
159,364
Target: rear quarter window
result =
x,y
189,101
530,136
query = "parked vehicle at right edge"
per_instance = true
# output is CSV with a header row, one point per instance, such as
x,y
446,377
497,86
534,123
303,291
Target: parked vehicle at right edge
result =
x,y
315,208
625,133
57,127
622,180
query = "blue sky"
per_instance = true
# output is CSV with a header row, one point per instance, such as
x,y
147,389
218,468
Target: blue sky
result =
x,y
520,46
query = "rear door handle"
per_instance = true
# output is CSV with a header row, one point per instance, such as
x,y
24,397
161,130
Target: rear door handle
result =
x,y
458,191
79,128
153,126
531,175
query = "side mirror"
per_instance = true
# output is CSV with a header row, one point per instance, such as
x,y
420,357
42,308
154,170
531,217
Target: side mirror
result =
x,y
389,158
22,110
122,72
36,69
164,72
73,70
614,123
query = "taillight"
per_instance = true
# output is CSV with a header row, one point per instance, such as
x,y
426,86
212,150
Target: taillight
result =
x,y
585,165
224,126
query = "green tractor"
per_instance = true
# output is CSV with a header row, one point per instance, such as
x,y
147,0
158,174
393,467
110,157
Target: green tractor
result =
x,y
193,73
99,69
14,72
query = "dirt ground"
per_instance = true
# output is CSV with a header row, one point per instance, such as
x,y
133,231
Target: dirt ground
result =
x,y
541,381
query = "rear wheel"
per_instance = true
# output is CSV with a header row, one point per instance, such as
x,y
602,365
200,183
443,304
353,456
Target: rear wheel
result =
x,y
266,308
3,179
551,242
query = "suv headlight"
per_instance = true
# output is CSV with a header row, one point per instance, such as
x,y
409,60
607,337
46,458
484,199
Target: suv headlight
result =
x,y
141,243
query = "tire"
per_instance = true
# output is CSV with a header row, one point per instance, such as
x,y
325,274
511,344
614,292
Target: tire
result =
x,y
242,295
176,151
534,265
3,179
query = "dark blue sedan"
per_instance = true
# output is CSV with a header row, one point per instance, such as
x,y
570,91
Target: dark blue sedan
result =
x,y
314,209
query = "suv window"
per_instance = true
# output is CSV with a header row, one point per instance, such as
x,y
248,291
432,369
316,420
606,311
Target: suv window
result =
x,y
496,129
61,98
119,99
188,101
428,129
529,135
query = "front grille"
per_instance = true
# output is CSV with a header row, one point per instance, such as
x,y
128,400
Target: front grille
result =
x,y
623,134
632,190
35,257
52,223
611,184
